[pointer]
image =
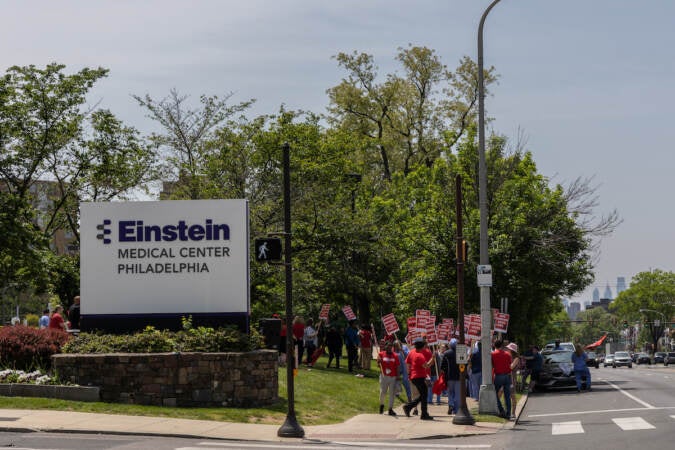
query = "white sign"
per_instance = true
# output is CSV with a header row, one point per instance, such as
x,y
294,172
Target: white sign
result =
x,y
185,256
484,272
461,354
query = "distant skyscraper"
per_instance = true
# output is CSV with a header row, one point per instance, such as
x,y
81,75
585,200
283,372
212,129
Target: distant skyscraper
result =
x,y
573,310
596,295
620,285
608,292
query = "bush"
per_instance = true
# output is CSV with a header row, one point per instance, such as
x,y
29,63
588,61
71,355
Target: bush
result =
x,y
150,340
33,320
28,348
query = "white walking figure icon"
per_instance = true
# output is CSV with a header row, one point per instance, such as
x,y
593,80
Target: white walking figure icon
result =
x,y
262,251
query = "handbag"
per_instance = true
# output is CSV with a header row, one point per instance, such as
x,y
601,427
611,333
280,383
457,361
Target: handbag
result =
x,y
440,384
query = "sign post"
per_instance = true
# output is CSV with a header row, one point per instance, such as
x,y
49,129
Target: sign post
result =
x,y
462,415
290,427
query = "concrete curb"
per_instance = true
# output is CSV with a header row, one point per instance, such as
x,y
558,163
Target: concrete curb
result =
x,y
74,393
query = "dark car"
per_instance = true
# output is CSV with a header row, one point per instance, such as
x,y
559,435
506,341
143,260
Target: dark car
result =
x,y
593,360
558,370
669,358
659,357
643,358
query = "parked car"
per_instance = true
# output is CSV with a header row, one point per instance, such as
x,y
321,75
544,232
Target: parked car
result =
x,y
558,370
563,346
659,357
643,358
609,360
592,360
669,358
622,359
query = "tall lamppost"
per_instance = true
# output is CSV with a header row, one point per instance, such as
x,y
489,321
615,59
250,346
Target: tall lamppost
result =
x,y
488,397
290,427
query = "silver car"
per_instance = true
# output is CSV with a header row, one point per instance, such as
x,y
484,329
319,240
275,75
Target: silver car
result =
x,y
622,359
609,360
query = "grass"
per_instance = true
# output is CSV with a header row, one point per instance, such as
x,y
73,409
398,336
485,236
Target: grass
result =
x,y
322,396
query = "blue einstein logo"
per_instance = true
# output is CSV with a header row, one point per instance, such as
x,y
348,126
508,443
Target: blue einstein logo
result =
x,y
137,231
105,231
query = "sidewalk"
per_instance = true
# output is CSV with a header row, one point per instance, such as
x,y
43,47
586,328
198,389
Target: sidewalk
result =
x,y
364,426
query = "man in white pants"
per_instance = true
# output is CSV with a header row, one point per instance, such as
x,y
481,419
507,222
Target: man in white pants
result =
x,y
388,362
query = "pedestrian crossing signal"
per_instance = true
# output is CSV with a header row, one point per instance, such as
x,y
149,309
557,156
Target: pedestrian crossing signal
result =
x,y
268,249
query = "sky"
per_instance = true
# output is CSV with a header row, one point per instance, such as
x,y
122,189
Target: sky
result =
x,y
587,83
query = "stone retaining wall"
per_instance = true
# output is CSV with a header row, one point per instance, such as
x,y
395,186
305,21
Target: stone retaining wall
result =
x,y
75,393
176,379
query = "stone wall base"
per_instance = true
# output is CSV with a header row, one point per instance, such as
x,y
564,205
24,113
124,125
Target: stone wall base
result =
x,y
176,379
75,393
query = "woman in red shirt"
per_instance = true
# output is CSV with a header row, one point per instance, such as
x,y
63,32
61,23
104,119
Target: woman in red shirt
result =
x,y
419,361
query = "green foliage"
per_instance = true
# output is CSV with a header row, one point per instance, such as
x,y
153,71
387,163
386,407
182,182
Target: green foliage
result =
x,y
150,340
28,348
654,293
47,132
33,320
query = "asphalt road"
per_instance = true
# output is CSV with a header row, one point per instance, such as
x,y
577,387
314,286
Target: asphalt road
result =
x,y
627,409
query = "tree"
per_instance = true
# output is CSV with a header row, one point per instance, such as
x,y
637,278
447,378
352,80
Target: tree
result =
x,y
56,152
186,134
653,290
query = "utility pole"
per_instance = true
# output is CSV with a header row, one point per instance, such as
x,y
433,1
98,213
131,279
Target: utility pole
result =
x,y
488,396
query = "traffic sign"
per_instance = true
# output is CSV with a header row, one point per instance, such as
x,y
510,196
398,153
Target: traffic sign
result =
x,y
268,249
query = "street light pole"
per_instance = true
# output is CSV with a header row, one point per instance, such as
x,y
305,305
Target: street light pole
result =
x,y
290,427
488,397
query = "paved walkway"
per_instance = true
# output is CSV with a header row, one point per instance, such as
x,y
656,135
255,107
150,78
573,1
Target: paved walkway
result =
x,y
364,426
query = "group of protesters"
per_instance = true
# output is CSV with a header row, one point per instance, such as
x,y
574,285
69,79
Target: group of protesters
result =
x,y
414,371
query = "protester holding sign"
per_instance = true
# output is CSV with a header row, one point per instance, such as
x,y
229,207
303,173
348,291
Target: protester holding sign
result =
x,y
419,360
334,344
388,362
352,344
451,369
366,344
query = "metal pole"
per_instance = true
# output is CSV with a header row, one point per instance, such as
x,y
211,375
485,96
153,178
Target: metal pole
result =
x,y
488,396
462,415
291,427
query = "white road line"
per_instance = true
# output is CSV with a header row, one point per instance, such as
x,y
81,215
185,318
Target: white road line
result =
x,y
573,427
420,445
633,423
335,446
631,396
597,411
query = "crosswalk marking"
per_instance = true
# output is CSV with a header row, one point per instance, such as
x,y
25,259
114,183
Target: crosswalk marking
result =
x,y
573,427
633,423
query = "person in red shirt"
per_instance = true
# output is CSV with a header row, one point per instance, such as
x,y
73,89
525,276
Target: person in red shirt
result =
x,y
56,320
501,366
389,374
419,362
366,345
